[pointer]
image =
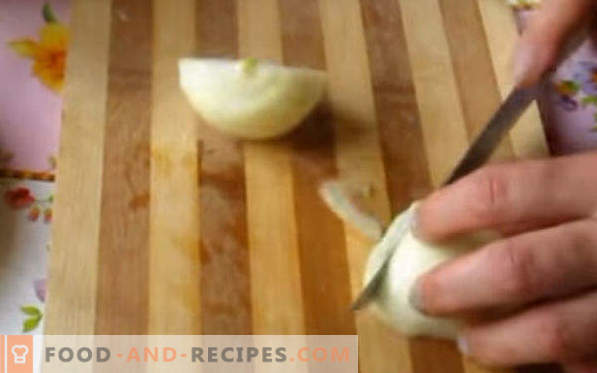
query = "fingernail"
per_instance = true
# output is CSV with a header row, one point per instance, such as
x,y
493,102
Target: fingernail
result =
x,y
416,296
524,60
463,345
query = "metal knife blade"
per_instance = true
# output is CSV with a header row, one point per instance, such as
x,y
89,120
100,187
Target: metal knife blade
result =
x,y
477,154
498,126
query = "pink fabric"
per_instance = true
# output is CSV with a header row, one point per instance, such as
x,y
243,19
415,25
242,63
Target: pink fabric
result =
x,y
570,125
29,130
569,104
29,111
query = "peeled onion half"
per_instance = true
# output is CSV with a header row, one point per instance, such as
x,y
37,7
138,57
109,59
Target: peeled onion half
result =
x,y
250,99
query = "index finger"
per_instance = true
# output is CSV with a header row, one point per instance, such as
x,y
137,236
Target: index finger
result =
x,y
543,37
512,198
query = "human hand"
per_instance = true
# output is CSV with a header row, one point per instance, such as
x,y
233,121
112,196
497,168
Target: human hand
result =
x,y
546,32
545,266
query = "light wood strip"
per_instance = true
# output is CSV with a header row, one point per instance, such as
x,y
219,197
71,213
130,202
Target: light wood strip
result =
x,y
527,137
473,68
477,83
444,129
401,137
70,308
273,244
174,198
226,288
359,160
442,120
123,269
324,266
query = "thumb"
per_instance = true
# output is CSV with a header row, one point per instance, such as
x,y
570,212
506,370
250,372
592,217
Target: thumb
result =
x,y
541,41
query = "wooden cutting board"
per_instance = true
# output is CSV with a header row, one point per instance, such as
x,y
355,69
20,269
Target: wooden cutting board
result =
x,y
163,226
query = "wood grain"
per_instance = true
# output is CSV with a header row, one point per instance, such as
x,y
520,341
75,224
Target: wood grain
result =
x,y
442,119
273,242
72,287
326,291
359,160
180,229
216,29
226,287
174,268
473,69
445,356
395,101
124,230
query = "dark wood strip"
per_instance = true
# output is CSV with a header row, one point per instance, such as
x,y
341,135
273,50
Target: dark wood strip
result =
x,y
122,305
545,368
401,134
325,276
225,279
473,68
435,356
216,28
400,130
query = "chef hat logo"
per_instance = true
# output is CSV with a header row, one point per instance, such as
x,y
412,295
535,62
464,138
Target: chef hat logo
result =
x,y
19,353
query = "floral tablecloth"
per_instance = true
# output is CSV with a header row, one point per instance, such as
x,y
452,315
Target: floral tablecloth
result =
x,y
569,105
33,42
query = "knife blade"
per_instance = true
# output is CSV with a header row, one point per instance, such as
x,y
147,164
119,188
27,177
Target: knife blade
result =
x,y
476,155
494,131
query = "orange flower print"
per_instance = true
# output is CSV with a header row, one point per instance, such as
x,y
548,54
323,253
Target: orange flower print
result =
x,y
33,214
48,215
49,53
18,197
567,87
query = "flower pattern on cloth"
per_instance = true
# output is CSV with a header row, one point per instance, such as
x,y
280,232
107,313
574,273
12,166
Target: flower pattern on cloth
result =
x,y
34,40
49,53
18,197
40,289
568,105
25,211
580,92
586,76
32,71
21,197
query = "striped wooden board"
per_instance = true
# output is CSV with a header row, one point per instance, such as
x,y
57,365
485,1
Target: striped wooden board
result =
x,y
163,226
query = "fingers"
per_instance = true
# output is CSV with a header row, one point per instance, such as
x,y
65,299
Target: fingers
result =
x,y
541,41
504,197
562,331
514,271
